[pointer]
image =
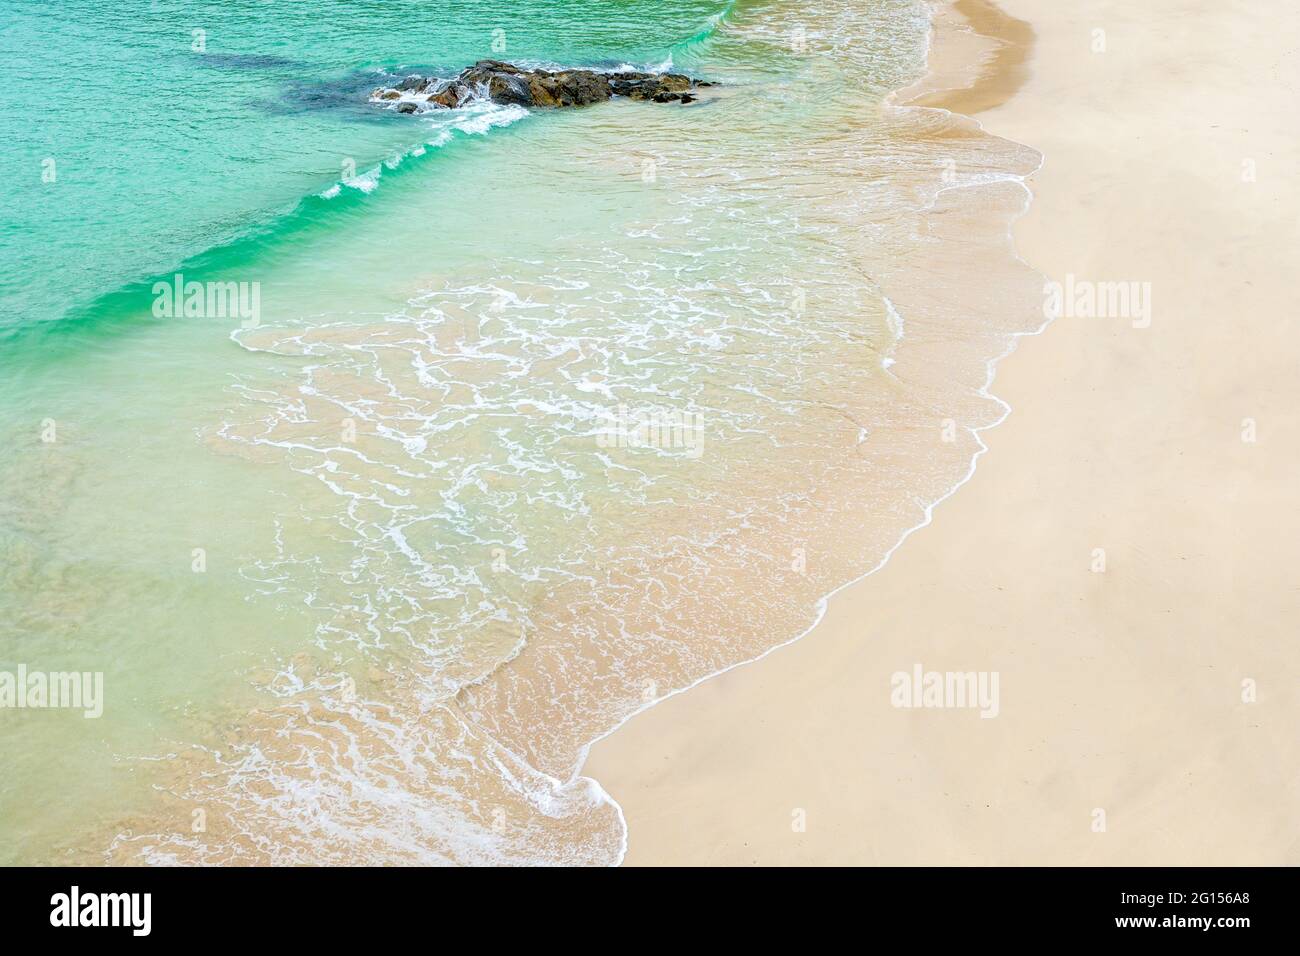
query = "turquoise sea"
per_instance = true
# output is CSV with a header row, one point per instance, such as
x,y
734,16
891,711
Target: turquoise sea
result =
x,y
527,420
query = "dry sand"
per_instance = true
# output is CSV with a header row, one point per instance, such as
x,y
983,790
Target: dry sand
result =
x,y
1171,158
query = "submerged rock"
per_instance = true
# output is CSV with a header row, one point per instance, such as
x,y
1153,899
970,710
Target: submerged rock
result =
x,y
506,83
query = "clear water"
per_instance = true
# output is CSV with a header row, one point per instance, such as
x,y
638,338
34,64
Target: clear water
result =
x,y
366,576
162,152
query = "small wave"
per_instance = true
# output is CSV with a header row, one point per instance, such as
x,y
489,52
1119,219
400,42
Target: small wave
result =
x,y
473,120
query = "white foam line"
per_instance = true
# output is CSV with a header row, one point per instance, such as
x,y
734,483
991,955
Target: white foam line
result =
x,y
823,602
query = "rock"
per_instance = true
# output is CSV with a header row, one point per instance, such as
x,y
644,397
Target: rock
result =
x,y
448,98
503,82
651,83
583,87
498,66
650,86
675,82
510,89
545,92
407,107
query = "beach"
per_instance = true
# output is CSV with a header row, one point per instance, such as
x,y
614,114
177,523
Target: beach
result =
x,y
649,432
1123,555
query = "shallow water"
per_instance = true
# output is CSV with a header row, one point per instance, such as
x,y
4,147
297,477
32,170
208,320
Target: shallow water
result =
x,y
366,572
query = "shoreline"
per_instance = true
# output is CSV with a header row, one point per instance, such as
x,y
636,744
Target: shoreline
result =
x,y
983,62
988,70
715,777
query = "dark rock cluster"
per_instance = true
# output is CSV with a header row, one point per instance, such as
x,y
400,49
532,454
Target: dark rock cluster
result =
x,y
504,83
